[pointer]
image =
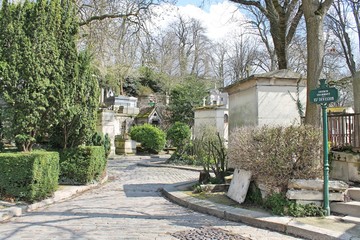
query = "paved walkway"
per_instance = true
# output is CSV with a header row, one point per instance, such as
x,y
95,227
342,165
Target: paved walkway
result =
x,y
129,206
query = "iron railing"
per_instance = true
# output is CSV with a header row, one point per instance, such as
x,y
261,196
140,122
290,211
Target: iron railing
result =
x,y
344,129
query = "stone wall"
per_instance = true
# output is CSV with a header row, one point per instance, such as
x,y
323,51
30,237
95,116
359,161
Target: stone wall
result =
x,y
345,166
113,124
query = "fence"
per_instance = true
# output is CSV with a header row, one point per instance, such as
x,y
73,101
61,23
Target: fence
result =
x,y
344,130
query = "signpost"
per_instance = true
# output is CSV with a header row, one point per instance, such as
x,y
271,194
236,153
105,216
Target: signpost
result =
x,y
324,95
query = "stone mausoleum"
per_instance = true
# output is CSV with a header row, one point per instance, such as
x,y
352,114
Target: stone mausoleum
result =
x,y
266,99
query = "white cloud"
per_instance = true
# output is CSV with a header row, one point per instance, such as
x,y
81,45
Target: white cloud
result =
x,y
220,19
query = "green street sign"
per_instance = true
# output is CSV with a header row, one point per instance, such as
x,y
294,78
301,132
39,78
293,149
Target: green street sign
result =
x,y
324,95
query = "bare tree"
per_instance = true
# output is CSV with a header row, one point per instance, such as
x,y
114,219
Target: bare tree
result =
x,y
261,25
341,26
192,45
298,57
132,10
243,57
283,17
114,31
219,62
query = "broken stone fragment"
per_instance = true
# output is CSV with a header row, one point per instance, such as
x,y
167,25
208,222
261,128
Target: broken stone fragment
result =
x,y
317,184
239,185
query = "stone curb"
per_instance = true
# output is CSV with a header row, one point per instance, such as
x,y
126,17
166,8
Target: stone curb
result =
x,y
60,195
286,225
138,157
169,166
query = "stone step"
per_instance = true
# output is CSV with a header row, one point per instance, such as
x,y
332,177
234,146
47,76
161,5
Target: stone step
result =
x,y
346,208
354,193
350,219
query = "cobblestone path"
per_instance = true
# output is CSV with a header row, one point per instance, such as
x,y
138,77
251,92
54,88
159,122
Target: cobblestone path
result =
x,y
128,207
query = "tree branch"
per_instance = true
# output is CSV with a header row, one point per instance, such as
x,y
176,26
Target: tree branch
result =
x,y
324,7
256,4
293,25
106,16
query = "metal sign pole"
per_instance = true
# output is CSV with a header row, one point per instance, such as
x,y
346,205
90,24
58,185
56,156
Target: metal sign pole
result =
x,y
326,159
324,95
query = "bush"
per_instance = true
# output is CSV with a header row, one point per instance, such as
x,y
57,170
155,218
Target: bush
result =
x,y
152,139
107,145
98,139
210,150
275,155
82,165
29,176
24,142
279,205
184,156
178,134
308,210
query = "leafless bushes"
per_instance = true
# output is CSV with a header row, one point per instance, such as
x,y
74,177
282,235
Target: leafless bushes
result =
x,y
276,154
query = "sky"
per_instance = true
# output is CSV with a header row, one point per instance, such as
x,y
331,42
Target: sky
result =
x,y
221,18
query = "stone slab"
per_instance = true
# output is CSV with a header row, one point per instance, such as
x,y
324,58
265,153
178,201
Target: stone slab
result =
x,y
306,202
239,185
310,195
348,208
354,193
317,184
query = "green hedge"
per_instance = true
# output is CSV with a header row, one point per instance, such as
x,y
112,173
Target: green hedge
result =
x,y
29,176
152,139
82,165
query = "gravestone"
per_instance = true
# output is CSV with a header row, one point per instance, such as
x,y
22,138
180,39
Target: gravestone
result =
x,y
239,185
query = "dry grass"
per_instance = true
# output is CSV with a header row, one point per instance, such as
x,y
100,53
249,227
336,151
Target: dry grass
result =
x,y
222,198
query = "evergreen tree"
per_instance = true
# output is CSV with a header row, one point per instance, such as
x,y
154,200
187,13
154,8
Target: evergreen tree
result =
x,y
48,86
23,76
76,95
184,98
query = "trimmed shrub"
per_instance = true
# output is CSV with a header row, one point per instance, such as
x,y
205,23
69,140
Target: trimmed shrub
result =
x,y
82,165
152,139
178,134
99,139
275,155
107,145
29,176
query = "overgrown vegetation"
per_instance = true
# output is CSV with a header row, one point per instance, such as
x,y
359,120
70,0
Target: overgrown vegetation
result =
x,y
207,150
276,154
152,139
275,203
210,150
278,204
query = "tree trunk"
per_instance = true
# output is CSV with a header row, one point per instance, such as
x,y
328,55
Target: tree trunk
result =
x,y
314,18
356,96
356,91
278,33
315,55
